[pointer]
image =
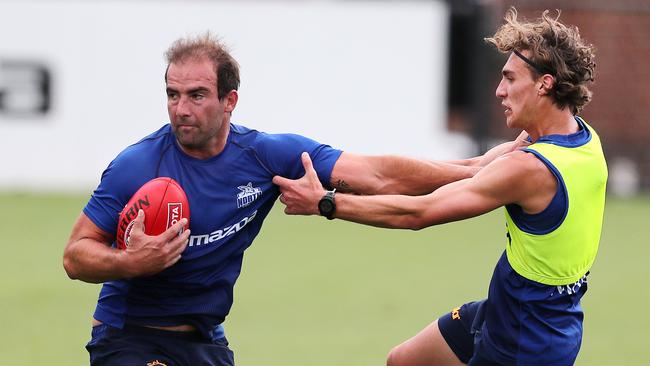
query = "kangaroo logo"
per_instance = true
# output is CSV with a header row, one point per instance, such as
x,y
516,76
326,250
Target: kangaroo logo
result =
x,y
247,195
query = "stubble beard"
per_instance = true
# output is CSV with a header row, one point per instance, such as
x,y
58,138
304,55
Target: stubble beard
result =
x,y
194,141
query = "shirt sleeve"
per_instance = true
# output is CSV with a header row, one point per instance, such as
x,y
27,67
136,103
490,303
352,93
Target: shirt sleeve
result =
x,y
119,182
281,155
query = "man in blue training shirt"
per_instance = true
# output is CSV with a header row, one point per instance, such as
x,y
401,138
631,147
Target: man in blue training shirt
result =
x,y
165,297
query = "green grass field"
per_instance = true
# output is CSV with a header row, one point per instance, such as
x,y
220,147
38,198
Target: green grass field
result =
x,y
314,292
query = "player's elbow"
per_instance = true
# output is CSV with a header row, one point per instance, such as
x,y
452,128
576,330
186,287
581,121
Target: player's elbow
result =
x,y
69,269
420,214
413,222
410,213
70,263
418,224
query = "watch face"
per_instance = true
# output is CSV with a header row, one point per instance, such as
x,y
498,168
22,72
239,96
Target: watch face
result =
x,y
325,206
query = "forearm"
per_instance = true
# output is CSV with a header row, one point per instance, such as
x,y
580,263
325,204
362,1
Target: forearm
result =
x,y
473,162
89,257
371,175
91,261
449,203
388,211
417,177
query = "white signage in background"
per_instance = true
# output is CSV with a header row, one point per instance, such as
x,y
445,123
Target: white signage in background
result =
x,y
24,88
363,76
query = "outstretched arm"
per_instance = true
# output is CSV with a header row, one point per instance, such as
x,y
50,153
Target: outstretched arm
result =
x,y
401,175
508,179
394,175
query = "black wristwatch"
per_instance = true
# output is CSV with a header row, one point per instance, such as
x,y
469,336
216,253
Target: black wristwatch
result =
x,y
326,205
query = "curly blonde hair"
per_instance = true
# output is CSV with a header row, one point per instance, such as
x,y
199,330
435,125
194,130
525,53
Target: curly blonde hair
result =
x,y
554,47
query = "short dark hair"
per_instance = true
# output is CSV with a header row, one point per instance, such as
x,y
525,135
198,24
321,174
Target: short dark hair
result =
x,y
207,46
556,48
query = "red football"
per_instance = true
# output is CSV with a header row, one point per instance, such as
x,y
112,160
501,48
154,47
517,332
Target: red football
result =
x,y
164,203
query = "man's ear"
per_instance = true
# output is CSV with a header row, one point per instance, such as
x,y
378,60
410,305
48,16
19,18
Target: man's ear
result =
x,y
231,101
547,82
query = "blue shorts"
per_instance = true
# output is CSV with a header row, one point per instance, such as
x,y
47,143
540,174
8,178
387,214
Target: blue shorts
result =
x,y
522,322
141,346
